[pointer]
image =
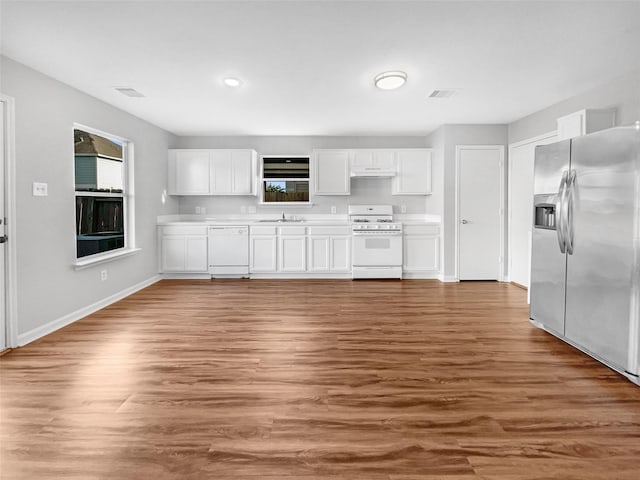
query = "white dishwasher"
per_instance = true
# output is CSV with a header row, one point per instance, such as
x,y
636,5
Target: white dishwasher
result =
x,y
229,250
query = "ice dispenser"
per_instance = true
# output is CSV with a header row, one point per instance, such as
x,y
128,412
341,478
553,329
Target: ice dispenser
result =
x,y
544,212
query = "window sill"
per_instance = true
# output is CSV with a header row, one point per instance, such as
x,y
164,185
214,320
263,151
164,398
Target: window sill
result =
x,y
103,258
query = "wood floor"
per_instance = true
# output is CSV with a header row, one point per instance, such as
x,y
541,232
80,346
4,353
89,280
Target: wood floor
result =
x,y
309,380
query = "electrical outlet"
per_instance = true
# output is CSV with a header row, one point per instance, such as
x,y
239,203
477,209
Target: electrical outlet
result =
x,y
203,210
40,189
333,209
243,209
403,209
103,275
198,210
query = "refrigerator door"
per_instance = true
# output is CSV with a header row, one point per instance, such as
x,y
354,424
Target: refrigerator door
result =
x,y
548,262
601,270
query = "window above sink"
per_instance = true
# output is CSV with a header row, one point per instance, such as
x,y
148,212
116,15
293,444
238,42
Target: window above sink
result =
x,y
285,180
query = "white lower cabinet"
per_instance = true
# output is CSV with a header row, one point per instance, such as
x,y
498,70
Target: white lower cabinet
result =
x,y
292,253
421,249
330,249
263,250
183,249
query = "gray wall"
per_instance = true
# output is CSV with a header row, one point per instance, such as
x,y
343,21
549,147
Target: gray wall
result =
x,y
48,287
445,140
363,190
622,93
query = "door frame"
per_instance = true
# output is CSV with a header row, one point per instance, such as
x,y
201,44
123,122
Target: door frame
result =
x,y
512,146
501,164
11,315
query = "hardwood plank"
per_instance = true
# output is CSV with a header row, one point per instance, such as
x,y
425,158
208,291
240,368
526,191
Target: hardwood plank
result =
x,y
314,379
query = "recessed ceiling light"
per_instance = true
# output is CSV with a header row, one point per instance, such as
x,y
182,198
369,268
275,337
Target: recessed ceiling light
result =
x,y
128,91
231,82
390,80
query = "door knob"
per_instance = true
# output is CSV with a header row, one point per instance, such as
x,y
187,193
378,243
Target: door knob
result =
x,y
464,222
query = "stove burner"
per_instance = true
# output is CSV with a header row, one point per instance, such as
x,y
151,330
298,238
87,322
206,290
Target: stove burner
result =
x,y
361,220
384,220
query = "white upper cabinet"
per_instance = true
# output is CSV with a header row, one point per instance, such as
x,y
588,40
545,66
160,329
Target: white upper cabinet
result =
x,y
383,159
212,172
331,172
189,172
414,172
584,122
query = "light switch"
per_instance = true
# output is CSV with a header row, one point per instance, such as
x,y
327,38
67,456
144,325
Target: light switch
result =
x,y
40,189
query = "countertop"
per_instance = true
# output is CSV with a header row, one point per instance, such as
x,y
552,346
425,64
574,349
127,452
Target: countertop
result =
x,y
255,220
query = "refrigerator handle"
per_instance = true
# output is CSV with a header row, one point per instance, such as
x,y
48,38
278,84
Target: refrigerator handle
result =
x,y
560,200
568,214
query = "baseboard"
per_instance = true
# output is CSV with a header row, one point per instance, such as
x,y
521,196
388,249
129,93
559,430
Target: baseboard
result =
x,y
448,278
185,276
46,329
421,275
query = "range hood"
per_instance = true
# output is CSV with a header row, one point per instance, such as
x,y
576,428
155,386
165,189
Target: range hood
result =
x,y
370,171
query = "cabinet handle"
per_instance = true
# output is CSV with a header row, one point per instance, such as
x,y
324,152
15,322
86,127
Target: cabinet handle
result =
x,y
464,222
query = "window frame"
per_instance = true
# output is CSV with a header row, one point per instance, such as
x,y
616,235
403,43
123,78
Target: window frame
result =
x,y
261,181
128,201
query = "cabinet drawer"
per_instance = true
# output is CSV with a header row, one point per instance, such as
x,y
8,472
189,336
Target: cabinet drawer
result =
x,y
330,230
185,230
263,230
293,230
421,230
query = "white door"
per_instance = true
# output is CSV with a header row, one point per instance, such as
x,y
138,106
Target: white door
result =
x,y
3,309
263,253
480,184
221,172
293,253
242,163
340,254
521,160
318,254
332,172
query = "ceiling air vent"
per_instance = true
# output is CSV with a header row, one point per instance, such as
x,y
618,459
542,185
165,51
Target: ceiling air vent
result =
x,y
128,91
443,93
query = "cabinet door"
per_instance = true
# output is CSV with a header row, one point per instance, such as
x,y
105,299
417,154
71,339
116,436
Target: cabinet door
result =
x,y
242,164
190,172
263,253
221,172
414,173
173,249
319,254
340,260
380,158
292,253
421,253
331,172
195,256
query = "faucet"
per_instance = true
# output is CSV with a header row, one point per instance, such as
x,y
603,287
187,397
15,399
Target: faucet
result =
x,y
283,217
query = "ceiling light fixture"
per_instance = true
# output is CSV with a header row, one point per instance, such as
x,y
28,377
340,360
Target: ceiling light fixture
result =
x,y
231,82
390,80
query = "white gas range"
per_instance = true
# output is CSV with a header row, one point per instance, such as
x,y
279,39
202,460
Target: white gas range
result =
x,y
377,242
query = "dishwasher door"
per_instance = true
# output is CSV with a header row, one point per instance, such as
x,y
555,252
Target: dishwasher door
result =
x,y
229,250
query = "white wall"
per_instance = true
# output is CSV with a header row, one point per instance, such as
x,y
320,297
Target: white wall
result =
x,y
622,93
363,190
45,111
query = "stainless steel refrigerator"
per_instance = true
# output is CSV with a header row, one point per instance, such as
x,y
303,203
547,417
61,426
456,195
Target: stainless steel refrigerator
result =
x,y
585,263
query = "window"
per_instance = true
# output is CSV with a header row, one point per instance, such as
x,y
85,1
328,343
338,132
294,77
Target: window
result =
x,y
102,175
285,179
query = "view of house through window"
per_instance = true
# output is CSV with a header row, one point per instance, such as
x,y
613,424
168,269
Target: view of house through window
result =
x,y
100,188
285,179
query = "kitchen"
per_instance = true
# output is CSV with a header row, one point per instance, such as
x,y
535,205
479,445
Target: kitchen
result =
x,y
144,340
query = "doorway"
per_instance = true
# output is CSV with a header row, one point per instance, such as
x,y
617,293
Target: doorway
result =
x,y
7,252
480,212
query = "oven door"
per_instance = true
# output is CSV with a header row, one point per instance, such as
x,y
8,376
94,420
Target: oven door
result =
x,y
377,249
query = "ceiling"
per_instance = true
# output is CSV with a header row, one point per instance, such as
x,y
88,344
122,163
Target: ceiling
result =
x,y
307,67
